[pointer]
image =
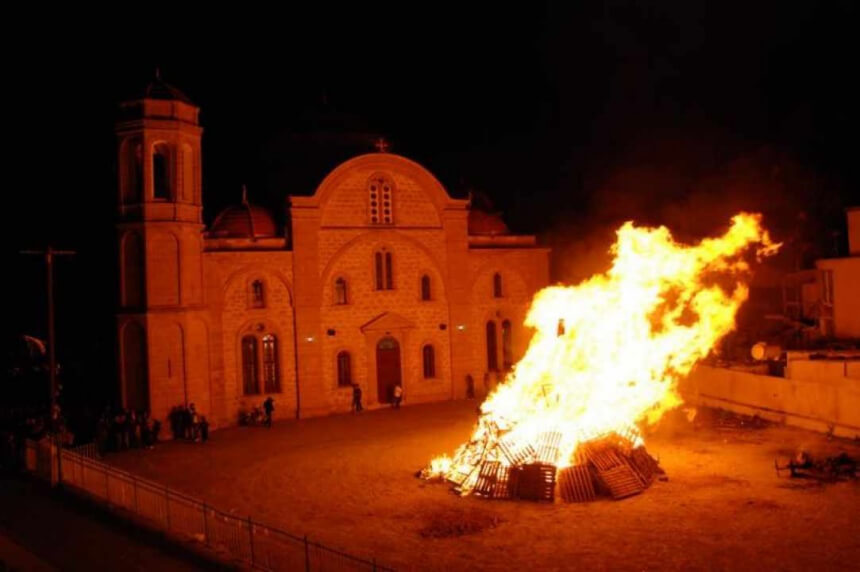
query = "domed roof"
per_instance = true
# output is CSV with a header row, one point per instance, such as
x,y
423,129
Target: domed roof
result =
x,y
160,89
484,223
243,221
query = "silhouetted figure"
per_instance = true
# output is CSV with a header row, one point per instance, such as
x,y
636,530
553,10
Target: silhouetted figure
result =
x,y
132,428
269,407
470,386
398,396
145,429
175,422
187,425
119,431
204,429
356,398
193,423
154,429
103,433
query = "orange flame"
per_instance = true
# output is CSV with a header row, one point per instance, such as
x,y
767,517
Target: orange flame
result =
x,y
607,354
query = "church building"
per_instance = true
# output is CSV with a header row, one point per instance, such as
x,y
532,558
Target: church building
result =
x,y
379,277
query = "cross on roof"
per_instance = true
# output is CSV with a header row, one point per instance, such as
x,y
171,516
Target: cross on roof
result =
x,y
381,145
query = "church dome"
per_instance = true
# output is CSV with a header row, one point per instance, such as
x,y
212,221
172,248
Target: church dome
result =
x,y
160,89
484,223
243,221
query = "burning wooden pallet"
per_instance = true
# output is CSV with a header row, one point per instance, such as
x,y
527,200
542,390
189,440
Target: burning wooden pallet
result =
x,y
516,452
618,468
535,481
502,467
576,484
621,481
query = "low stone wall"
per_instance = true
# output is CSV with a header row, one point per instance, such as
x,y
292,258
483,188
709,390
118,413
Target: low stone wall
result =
x,y
830,403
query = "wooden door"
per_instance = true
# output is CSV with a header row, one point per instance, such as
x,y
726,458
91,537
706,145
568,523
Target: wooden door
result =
x,y
387,368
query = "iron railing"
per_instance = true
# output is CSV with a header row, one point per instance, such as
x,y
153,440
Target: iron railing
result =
x,y
233,538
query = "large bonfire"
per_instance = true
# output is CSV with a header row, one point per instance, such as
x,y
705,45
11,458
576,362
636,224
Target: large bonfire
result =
x,y
604,361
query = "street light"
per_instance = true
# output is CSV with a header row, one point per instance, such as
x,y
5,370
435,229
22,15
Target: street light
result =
x,y
49,255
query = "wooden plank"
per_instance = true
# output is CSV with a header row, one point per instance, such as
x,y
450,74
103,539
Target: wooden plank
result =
x,y
621,481
576,484
536,481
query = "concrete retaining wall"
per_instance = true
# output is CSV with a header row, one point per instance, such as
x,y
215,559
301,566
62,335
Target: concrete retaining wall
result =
x,y
824,399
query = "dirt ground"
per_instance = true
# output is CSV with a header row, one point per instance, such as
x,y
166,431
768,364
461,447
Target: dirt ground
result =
x,y
348,481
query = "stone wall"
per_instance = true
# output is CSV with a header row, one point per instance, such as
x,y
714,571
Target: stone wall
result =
x,y
828,403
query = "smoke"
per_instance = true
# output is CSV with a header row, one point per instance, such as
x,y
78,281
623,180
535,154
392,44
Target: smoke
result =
x,y
694,186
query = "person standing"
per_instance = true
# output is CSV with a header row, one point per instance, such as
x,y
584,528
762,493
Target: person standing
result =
x,y
269,407
398,396
193,423
204,429
356,398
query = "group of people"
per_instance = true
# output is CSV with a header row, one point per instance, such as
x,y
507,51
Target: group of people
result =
x,y
396,397
121,429
259,415
187,423
35,423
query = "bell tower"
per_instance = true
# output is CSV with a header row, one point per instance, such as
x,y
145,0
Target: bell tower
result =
x,y
160,251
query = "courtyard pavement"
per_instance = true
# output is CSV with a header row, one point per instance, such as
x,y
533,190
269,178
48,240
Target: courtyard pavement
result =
x,y
348,481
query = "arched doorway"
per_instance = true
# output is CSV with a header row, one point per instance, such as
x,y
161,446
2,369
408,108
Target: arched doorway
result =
x,y
387,368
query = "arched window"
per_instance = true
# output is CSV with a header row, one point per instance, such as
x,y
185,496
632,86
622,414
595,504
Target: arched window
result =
x,y
250,380
258,294
379,270
492,347
383,270
271,376
187,173
344,369
161,171
389,272
380,191
133,157
340,291
507,343
497,285
429,355
425,288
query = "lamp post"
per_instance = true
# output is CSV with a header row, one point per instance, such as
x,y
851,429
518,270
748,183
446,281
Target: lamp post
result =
x,y
49,255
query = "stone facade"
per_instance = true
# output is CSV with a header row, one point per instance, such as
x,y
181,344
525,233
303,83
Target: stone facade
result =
x,y
381,279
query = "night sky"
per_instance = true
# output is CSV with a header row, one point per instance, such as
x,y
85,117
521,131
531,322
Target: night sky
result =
x,y
570,120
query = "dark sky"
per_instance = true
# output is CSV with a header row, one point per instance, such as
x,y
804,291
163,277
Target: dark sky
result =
x,y
570,119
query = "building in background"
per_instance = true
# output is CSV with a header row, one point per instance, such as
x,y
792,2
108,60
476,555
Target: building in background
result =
x,y
379,278
825,301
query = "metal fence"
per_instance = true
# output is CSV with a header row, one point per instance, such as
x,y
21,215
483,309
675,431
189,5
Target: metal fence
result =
x,y
233,538
88,450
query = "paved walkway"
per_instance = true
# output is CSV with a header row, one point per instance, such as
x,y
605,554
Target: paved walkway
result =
x,y
43,529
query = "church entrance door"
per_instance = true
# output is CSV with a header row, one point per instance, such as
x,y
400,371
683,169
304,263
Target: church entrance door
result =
x,y
387,368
